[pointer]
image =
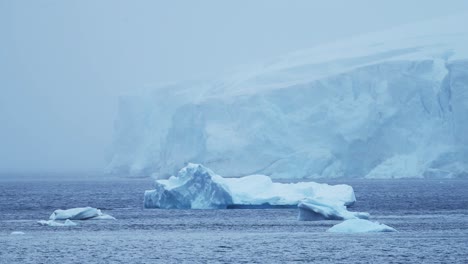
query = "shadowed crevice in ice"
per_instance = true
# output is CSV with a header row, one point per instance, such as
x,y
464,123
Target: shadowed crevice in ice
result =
x,y
197,187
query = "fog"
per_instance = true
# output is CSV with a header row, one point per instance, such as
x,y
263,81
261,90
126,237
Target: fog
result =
x,y
63,64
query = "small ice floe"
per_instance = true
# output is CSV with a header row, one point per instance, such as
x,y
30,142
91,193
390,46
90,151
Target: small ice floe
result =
x,y
56,223
320,209
17,233
82,213
360,226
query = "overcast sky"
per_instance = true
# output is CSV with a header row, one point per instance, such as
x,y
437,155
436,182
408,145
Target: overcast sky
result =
x,y
63,64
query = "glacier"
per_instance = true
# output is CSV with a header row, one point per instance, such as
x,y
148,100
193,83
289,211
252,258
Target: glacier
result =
x,y
197,187
320,209
360,226
389,104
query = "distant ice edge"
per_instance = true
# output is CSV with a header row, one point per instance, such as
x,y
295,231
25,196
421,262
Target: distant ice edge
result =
x,y
197,187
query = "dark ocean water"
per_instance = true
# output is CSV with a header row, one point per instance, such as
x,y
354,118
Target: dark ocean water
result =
x,y
431,217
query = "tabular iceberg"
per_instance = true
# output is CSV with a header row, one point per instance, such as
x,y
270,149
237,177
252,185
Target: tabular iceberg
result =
x,y
360,226
319,209
197,187
81,213
383,105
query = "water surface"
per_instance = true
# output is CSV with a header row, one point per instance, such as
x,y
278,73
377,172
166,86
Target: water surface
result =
x,y
431,217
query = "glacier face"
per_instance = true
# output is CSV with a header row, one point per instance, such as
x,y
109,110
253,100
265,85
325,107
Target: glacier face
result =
x,y
385,105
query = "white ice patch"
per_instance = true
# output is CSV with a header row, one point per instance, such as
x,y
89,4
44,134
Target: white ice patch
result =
x,y
16,233
360,226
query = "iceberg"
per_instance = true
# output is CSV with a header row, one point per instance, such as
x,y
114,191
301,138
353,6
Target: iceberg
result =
x,y
388,104
317,209
360,226
197,187
16,233
82,213
67,222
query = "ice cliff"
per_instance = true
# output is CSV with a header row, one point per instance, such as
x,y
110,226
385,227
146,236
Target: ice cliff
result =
x,y
197,187
383,105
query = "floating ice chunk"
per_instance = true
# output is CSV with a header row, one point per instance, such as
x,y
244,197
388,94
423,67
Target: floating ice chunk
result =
x,y
360,226
16,233
197,187
67,222
319,209
82,213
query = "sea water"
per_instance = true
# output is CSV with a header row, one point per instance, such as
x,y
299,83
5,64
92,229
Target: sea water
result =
x,y
431,217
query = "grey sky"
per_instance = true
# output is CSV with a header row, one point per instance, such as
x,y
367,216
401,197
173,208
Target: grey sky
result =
x,y
64,63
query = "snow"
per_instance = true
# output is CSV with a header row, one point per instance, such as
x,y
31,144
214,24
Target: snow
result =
x,y
318,209
16,233
67,222
260,189
197,187
81,213
360,226
389,104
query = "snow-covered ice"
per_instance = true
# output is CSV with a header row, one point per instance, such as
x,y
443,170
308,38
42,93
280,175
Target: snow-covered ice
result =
x,y
67,222
319,209
360,226
382,105
81,213
197,187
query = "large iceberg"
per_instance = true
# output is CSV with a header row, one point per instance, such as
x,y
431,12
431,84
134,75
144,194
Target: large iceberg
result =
x,y
80,213
319,209
383,105
197,187
360,226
